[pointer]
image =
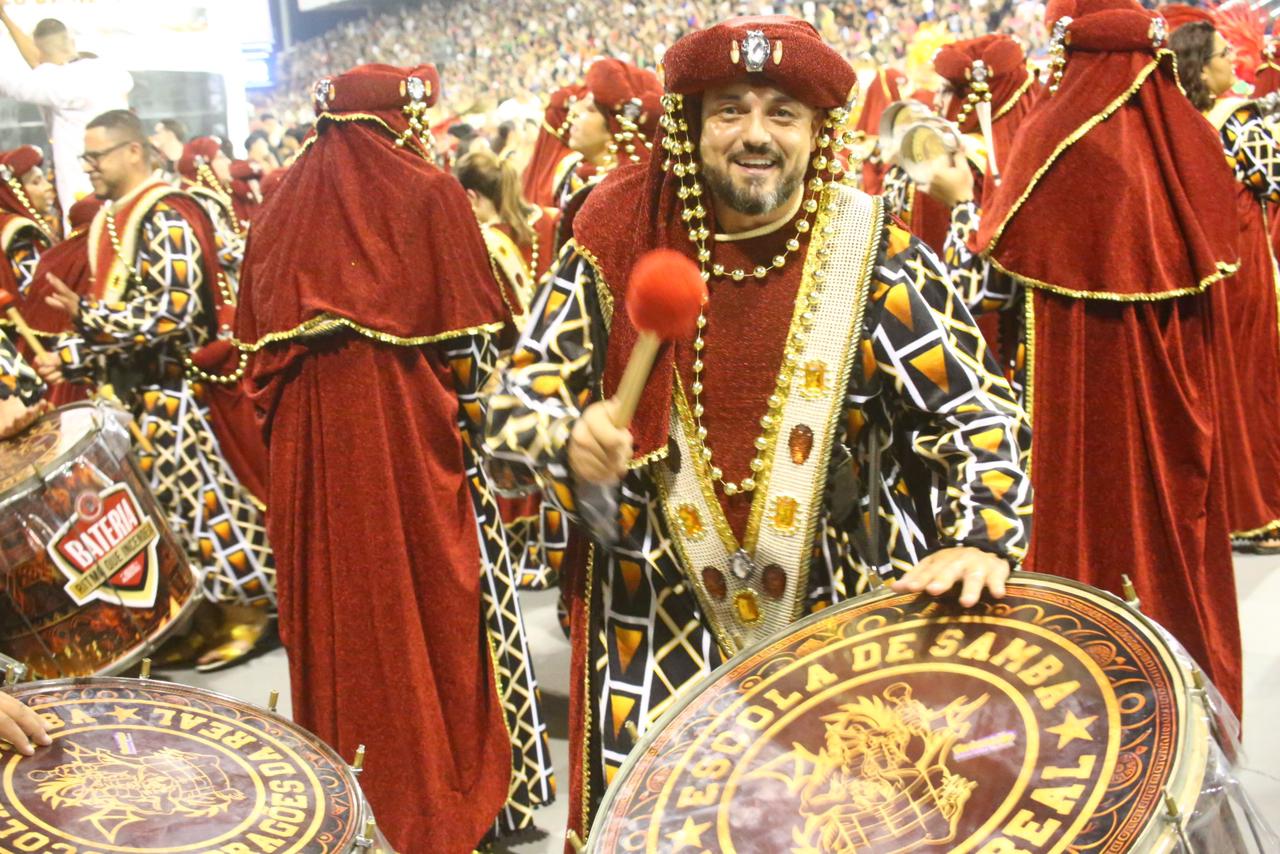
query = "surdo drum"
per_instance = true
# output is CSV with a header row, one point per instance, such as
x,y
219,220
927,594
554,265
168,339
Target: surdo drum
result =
x,y
142,766
1055,719
93,578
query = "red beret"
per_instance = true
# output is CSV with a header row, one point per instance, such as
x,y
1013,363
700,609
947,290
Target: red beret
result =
x,y
22,159
1178,14
201,150
377,88
245,170
779,49
83,212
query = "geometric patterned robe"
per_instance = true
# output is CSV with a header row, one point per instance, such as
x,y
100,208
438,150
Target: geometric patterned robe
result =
x,y
138,344
949,461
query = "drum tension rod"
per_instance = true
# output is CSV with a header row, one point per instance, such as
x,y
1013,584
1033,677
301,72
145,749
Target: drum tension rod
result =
x,y
1175,815
366,840
145,671
357,764
1130,593
273,701
575,842
632,732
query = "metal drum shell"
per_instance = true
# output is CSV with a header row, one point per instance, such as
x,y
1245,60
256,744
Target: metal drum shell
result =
x,y
102,429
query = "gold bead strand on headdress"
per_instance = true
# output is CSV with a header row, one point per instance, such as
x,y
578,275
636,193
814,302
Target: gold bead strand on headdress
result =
x,y
418,91
1058,52
979,89
680,161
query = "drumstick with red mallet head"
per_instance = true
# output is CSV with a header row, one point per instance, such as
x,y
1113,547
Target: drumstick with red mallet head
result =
x,y
665,295
9,305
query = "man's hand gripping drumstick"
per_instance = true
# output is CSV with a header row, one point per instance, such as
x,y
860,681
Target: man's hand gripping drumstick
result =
x,y
664,297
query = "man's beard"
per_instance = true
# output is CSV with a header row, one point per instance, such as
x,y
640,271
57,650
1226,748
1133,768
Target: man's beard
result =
x,y
752,200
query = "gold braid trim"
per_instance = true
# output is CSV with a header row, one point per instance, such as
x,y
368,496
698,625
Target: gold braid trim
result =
x,y
360,117
1014,98
1074,137
603,294
325,323
1224,270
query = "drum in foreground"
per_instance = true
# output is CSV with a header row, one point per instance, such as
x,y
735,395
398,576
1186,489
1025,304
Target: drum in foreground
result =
x,y
1054,719
142,766
91,577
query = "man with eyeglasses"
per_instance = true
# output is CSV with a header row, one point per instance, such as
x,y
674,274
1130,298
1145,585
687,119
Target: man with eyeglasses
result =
x,y
149,326
70,88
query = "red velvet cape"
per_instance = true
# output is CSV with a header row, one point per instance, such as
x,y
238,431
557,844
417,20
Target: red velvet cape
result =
x,y
1127,458
378,560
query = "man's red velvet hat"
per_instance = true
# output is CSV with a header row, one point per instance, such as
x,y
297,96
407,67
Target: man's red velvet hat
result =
x,y
784,51
382,92
625,94
22,160
1115,185
13,165
1005,66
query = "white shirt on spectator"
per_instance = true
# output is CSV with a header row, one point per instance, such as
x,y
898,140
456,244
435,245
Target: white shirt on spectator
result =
x,y
69,96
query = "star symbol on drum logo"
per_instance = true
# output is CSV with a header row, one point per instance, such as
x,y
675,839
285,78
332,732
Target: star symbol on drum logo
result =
x,y
689,836
121,715
1072,728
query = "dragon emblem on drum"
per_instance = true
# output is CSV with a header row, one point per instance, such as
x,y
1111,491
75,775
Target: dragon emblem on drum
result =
x,y
881,779
120,788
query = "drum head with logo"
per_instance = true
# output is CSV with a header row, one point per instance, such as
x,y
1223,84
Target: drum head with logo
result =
x,y
141,766
1054,718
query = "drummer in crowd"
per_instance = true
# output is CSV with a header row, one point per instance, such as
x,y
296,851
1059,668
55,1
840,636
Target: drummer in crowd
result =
x,y
149,328
712,553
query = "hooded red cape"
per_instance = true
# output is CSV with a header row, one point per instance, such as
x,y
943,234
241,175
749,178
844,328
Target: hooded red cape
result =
x,y
365,257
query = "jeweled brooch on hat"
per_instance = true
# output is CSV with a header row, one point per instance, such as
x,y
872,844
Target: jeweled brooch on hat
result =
x,y
6,174
322,93
1159,32
755,47
416,88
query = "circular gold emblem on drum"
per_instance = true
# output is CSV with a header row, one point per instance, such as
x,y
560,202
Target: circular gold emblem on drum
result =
x,y
901,723
142,767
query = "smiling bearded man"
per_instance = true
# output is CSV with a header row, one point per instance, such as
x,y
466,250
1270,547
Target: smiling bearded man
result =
x,y
833,363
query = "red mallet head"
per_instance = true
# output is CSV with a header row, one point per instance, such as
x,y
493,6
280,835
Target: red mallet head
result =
x,y
7,301
665,294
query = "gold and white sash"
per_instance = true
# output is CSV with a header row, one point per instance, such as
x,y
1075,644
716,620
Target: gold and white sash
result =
x,y
755,589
